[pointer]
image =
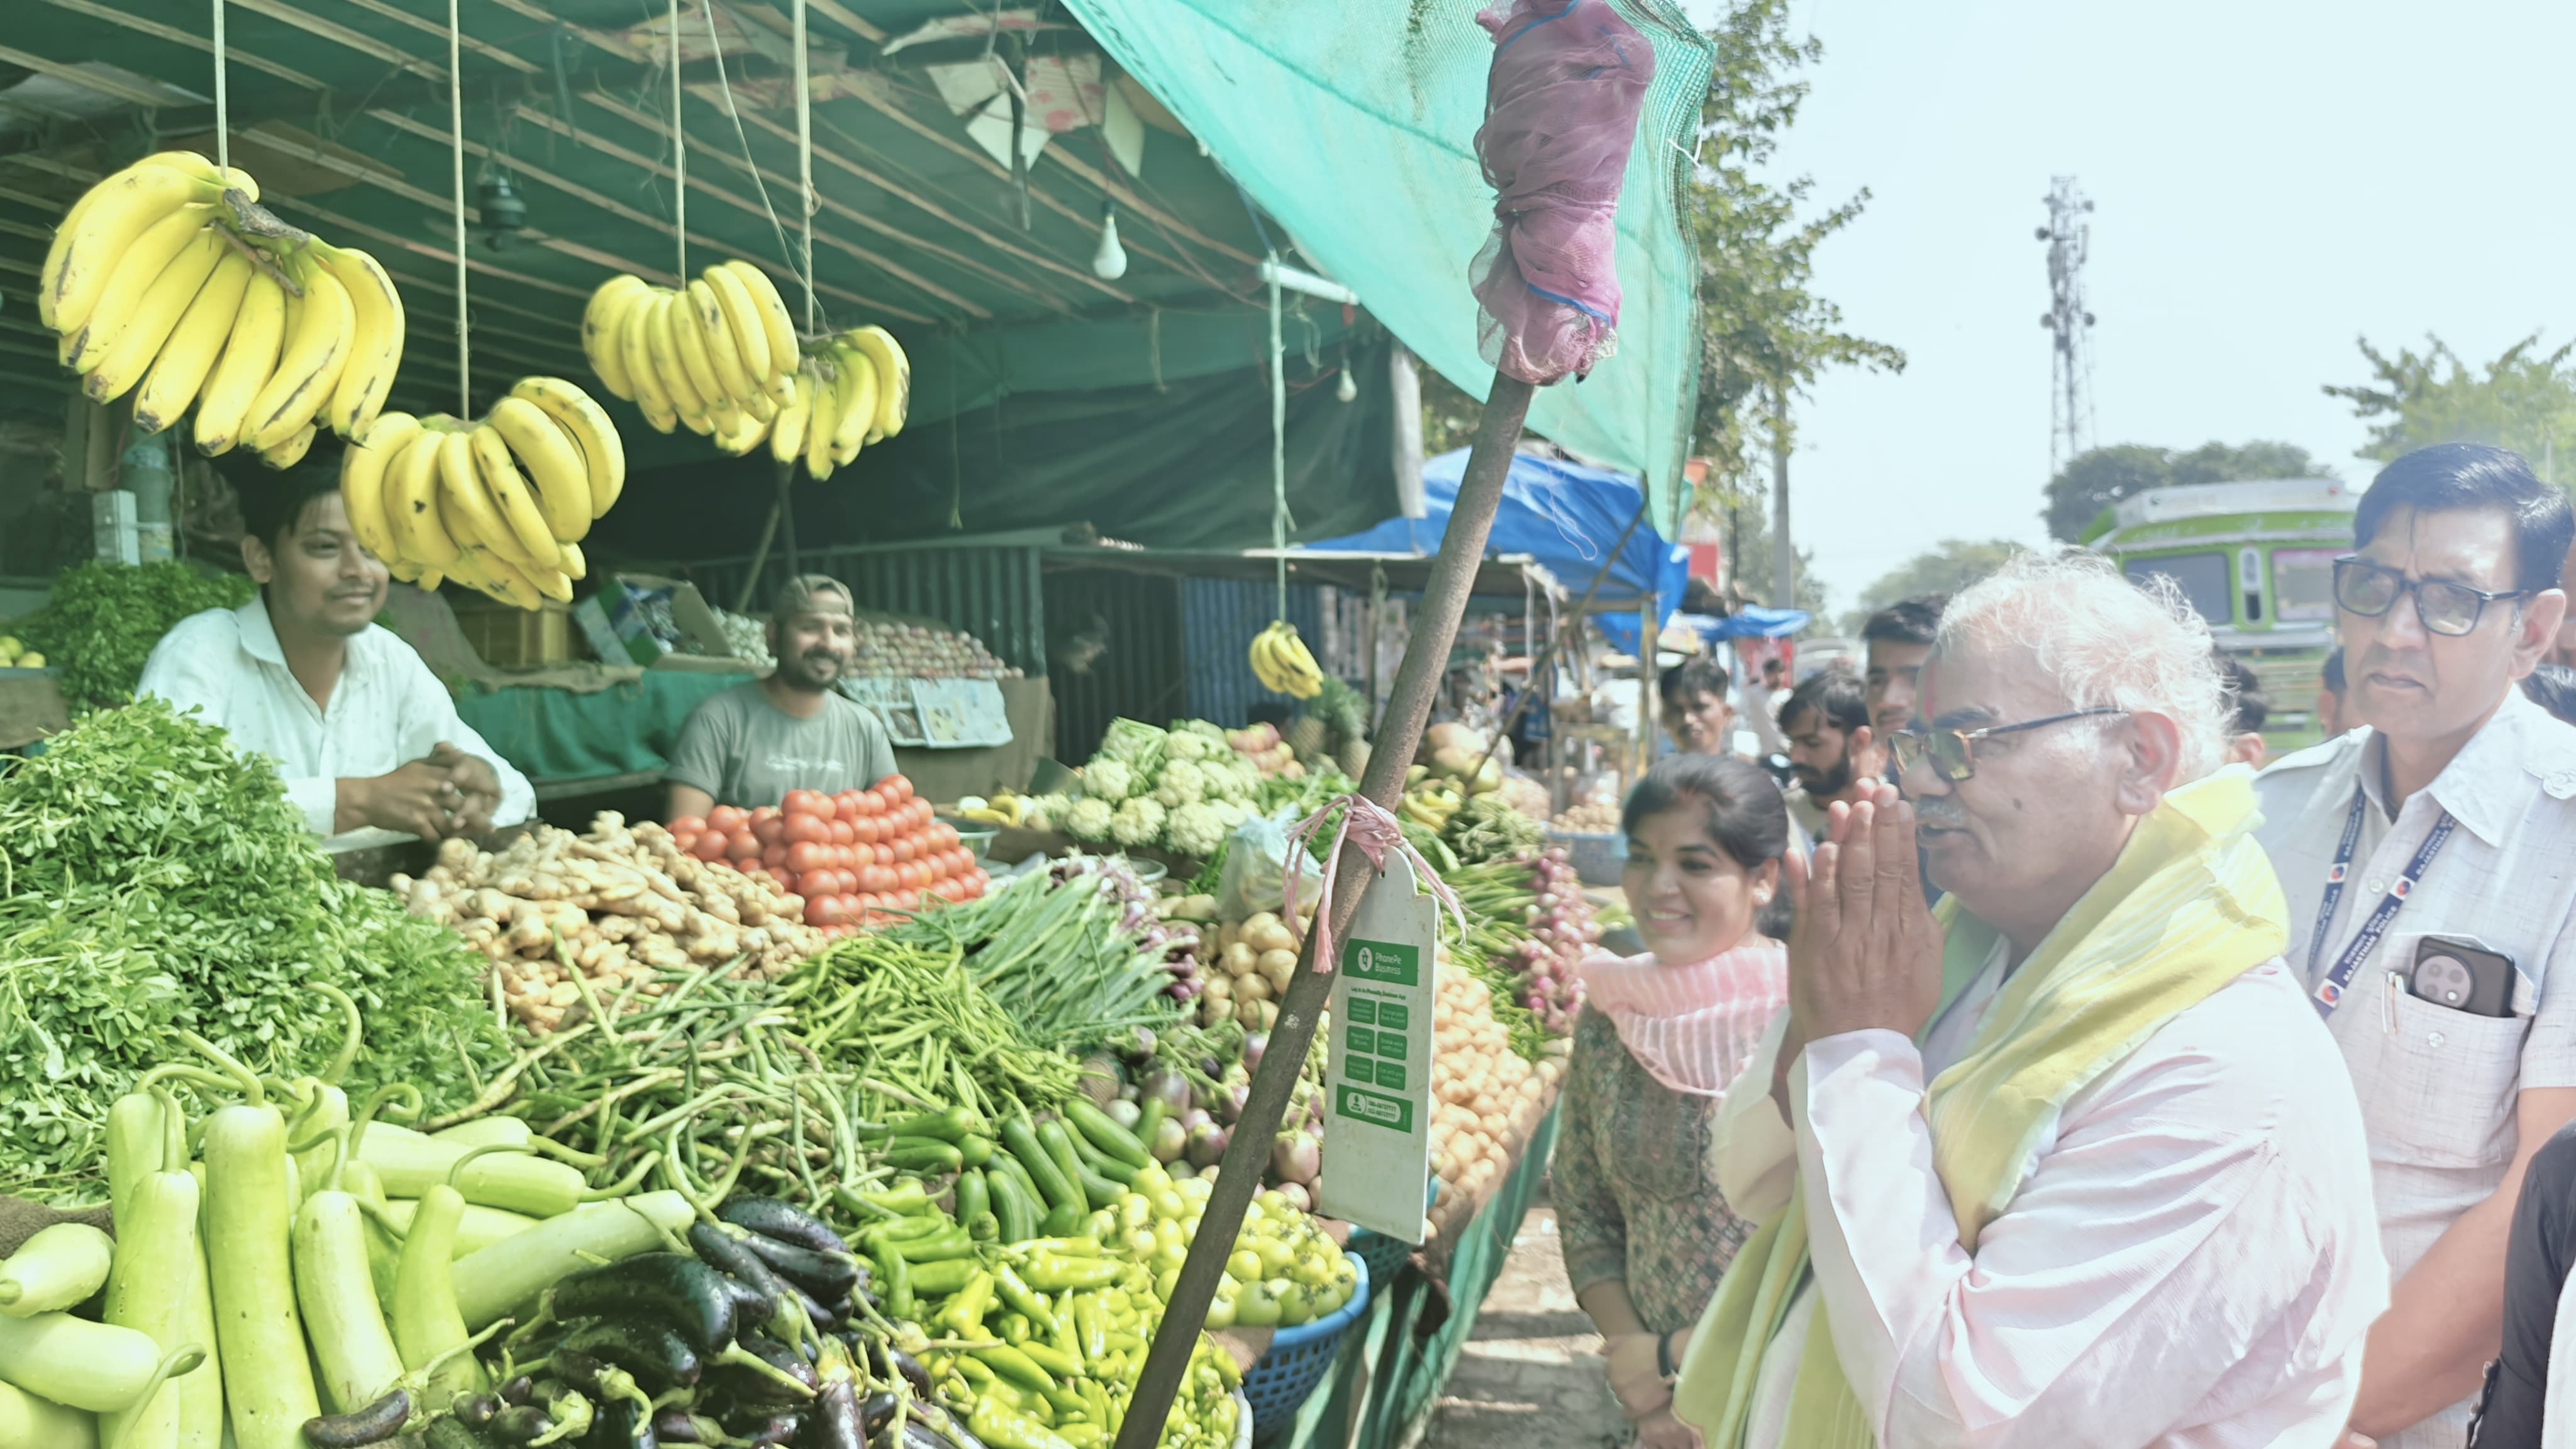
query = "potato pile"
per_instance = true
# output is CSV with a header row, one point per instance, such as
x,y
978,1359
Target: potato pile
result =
x,y
1486,1099
1247,962
558,912
1592,817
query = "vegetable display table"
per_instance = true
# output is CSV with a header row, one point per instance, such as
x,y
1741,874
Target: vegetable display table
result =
x,y
1394,1361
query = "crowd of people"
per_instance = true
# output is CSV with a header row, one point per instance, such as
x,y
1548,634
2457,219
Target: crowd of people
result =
x,y
2036,1070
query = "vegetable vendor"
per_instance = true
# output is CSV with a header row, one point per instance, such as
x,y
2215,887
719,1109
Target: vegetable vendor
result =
x,y
366,737
791,730
1647,1231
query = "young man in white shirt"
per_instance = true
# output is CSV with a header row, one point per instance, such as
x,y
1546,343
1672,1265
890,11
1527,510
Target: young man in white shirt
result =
x,y
2450,818
367,738
2072,1164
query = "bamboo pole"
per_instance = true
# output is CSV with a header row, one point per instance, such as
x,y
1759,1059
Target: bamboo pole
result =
x,y
1435,628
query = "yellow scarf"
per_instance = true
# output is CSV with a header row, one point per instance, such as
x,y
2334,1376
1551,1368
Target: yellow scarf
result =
x,y
2190,905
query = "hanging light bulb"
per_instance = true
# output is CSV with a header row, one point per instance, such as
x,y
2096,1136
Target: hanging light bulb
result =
x,y
1346,390
505,215
1110,262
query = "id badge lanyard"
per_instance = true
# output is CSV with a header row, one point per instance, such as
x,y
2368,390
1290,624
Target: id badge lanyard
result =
x,y
2330,991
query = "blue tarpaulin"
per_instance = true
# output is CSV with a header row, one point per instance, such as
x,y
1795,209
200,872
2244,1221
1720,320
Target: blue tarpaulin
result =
x,y
1563,515
1752,622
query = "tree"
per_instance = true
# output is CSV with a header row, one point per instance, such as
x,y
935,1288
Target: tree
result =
x,y
2525,400
2099,477
1749,537
1764,334
1950,565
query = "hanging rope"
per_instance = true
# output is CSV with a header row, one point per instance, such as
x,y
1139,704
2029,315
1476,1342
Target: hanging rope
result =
x,y
679,156
1278,447
456,135
805,168
725,85
223,105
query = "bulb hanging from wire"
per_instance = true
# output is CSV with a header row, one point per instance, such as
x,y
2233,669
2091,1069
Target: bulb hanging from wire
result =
x,y
1109,263
1346,390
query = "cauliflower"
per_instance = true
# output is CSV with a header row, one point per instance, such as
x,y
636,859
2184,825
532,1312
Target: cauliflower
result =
x,y
1213,733
1134,742
1197,829
1138,822
1183,783
1089,820
1188,746
1107,780
1046,812
1230,778
1229,814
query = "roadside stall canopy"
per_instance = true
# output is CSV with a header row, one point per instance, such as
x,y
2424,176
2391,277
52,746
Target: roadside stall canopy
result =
x,y
1563,516
980,261
1752,622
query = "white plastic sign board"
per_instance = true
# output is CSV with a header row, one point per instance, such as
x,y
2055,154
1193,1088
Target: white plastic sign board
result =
x,y
1377,1150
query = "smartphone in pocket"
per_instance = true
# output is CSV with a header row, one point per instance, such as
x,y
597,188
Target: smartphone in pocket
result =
x,y
2462,977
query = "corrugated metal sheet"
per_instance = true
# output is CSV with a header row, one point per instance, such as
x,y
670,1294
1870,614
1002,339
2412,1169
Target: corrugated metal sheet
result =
x,y
991,591
1219,618
1117,649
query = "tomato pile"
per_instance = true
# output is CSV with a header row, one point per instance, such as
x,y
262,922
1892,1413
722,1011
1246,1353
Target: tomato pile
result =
x,y
856,858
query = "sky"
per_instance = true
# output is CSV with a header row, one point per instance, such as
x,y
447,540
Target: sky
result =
x,y
2271,181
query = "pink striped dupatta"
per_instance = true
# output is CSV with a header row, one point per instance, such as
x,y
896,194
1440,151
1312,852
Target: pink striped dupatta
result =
x,y
1692,1027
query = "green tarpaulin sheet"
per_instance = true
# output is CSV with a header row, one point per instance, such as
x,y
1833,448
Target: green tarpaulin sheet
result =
x,y
1354,125
625,729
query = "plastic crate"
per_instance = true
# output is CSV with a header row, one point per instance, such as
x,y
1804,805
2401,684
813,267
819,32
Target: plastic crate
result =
x,y
1277,1386
1598,856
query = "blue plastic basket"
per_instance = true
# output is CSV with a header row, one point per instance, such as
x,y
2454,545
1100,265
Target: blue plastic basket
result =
x,y
1277,1386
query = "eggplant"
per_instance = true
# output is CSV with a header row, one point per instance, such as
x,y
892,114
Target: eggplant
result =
x,y
656,1357
622,1424
832,1420
477,1409
373,1424
725,1252
516,1391
883,1360
786,1222
672,1289
521,1424
748,1388
878,1411
780,1429
676,1425
827,1276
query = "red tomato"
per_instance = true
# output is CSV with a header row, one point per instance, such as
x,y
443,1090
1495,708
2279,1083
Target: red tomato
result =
x,y
742,847
874,802
805,855
727,818
866,830
772,856
768,830
942,834
711,846
691,824
896,788
808,827
843,832
961,860
686,841
906,849
845,805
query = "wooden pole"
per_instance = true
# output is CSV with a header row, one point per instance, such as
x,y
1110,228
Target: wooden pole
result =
x,y
1426,655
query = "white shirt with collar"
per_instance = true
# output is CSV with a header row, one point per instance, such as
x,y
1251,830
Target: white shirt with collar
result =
x,y
2438,1086
387,711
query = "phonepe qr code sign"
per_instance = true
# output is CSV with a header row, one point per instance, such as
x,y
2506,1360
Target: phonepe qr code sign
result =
x,y
1378,1072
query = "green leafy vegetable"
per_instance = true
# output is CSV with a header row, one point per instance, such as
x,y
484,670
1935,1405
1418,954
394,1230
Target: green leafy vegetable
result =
x,y
152,881
102,619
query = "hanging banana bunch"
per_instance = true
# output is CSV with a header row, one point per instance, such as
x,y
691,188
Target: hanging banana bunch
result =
x,y
170,277
500,505
1281,661
721,358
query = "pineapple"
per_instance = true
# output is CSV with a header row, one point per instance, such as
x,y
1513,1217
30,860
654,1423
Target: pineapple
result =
x,y
1352,757
1305,736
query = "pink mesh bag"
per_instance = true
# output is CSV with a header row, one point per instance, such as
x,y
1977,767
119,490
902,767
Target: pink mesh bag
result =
x,y
1561,109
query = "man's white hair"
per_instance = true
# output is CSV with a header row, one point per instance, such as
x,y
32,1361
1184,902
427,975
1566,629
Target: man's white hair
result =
x,y
2106,640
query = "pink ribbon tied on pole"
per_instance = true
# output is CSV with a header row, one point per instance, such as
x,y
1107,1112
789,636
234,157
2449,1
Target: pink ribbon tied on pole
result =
x,y
1561,104
1366,824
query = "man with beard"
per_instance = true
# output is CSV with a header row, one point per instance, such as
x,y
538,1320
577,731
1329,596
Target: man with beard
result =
x,y
366,737
2066,1161
755,742
1831,746
2436,847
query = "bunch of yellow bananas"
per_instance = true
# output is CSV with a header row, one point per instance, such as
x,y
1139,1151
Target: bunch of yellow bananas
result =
x,y
1281,662
721,358
169,274
1004,808
500,505
1430,803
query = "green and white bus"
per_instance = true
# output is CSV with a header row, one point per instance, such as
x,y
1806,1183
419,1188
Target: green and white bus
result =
x,y
2257,560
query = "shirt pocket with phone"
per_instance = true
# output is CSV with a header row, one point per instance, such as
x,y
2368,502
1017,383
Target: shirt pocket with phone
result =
x,y
2437,1083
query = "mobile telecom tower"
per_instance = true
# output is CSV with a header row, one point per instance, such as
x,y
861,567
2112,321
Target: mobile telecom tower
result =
x,y
2070,397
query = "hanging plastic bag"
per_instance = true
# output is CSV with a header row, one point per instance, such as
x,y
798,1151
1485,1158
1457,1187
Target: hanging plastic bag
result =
x,y
1255,877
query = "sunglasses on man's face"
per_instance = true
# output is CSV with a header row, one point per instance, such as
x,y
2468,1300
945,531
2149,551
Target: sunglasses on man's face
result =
x,y
1953,753
2449,609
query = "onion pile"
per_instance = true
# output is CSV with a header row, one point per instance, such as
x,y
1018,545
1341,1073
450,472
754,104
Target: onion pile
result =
x,y
916,651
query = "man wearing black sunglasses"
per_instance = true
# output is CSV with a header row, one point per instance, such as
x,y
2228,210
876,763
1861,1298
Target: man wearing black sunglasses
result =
x,y
2450,819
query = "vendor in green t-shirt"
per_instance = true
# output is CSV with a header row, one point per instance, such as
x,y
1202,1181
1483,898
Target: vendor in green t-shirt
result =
x,y
755,742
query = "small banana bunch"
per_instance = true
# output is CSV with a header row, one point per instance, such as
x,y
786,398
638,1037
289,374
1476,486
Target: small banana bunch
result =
x,y
170,276
721,358
1429,801
1281,662
500,505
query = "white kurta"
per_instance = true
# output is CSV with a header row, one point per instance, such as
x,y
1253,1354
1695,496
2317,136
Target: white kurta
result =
x,y
2192,1259
387,711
